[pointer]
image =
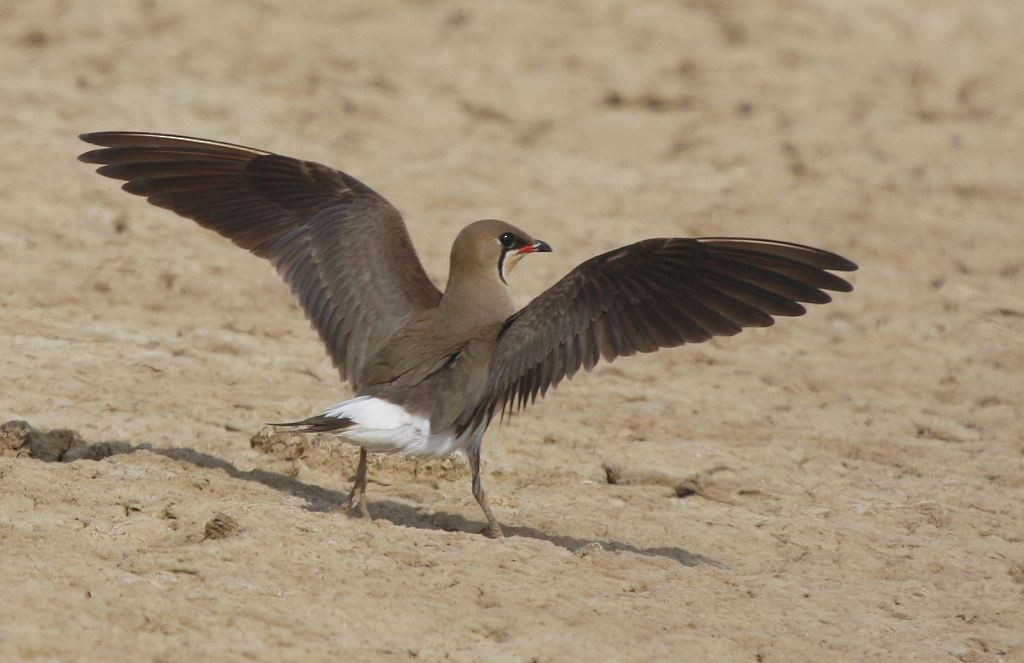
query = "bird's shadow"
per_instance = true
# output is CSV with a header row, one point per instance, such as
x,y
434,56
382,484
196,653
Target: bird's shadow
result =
x,y
408,516
46,446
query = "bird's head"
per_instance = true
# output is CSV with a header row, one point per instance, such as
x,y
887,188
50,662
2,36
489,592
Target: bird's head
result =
x,y
492,248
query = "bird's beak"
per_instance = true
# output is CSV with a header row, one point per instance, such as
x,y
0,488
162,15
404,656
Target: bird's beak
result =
x,y
538,246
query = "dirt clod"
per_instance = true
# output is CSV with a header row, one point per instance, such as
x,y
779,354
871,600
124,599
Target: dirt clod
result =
x,y
221,526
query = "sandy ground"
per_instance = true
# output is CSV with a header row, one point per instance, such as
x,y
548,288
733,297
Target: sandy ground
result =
x,y
843,486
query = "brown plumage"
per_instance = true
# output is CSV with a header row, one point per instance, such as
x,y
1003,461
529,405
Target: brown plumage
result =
x,y
342,249
429,369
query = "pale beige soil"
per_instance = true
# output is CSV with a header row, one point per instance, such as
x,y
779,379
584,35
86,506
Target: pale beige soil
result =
x,y
852,480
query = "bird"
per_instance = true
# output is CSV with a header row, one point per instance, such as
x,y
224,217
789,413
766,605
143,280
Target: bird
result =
x,y
430,370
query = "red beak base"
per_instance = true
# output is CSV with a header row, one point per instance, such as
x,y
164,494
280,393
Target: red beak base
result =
x,y
538,246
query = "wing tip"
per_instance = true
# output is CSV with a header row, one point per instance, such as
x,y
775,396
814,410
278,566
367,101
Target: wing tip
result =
x,y
107,138
100,138
92,156
842,264
157,140
792,250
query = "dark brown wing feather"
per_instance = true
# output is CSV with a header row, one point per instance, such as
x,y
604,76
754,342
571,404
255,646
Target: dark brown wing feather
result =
x,y
343,249
658,293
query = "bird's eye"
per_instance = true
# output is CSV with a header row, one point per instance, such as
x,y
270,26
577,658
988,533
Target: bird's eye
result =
x,y
507,240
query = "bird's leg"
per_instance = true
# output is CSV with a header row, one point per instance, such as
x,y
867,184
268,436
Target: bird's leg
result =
x,y
493,528
357,496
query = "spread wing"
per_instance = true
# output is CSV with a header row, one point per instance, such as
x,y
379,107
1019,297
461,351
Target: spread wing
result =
x,y
658,293
342,248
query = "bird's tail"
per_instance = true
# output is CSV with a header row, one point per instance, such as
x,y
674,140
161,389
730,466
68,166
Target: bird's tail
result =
x,y
320,424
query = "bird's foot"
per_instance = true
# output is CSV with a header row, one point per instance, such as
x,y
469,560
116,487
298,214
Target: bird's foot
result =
x,y
357,496
493,531
357,505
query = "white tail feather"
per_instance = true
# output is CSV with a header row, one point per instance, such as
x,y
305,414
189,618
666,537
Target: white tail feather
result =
x,y
383,427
